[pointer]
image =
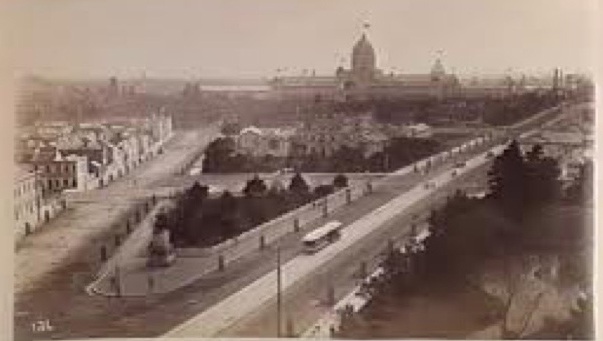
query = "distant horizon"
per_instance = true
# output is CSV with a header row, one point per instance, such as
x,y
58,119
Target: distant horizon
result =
x,y
191,79
242,39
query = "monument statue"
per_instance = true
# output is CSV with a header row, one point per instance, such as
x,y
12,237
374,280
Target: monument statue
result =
x,y
161,251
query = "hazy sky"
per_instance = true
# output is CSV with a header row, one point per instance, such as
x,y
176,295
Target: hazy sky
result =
x,y
246,38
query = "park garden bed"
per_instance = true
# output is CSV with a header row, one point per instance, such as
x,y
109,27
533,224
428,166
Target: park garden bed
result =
x,y
198,220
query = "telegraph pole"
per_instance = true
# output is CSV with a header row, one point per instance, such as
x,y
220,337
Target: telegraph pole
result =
x,y
278,292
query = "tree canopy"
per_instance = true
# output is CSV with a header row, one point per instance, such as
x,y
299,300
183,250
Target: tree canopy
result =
x,y
255,187
298,185
340,181
519,182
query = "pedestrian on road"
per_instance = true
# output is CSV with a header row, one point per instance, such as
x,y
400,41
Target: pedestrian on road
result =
x,y
118,281
113,283
151,283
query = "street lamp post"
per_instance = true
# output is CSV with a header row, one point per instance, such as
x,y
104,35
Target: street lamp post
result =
x,y
278,292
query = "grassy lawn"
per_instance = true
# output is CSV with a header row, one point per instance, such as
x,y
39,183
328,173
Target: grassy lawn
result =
x,y
450,140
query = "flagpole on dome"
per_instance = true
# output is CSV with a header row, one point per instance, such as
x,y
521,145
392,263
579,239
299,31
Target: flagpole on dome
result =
x,y
365,27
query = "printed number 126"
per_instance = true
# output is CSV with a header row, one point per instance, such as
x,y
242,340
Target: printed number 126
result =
x,y
42,326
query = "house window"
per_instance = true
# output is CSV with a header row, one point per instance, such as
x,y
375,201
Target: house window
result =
x,y
273,144
66,183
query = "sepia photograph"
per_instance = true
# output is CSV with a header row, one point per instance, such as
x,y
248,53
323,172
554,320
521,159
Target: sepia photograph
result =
x,y
395,169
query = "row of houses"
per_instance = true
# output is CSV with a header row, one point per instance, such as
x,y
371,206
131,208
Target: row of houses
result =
x,y
324,136
55,158
570,141
85,156
31,207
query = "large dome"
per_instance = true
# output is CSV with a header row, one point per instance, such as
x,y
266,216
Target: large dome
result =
x,y
363,45
363,55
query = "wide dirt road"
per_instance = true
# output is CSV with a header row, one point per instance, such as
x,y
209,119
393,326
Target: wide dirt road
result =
x,y
91,214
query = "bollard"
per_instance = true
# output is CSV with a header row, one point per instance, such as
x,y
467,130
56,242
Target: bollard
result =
x,y
331,295
332,331
128,227
118,289
390,245
262,242
113,284
151,283
413,230
103,253
221,263
348,195
296,224
363,271
289,328
325,208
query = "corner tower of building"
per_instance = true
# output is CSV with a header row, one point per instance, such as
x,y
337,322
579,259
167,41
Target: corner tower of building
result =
x,y
437,71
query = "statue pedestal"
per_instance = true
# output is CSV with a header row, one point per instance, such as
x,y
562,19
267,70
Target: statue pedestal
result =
x,y
161,252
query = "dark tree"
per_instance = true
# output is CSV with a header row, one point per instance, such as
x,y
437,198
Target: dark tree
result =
x,y
543,177
581,189
323,190
218,155
347,159
228,203
508,180
463,232
197,192
230,128
298,185
340,181
228,210
255,187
